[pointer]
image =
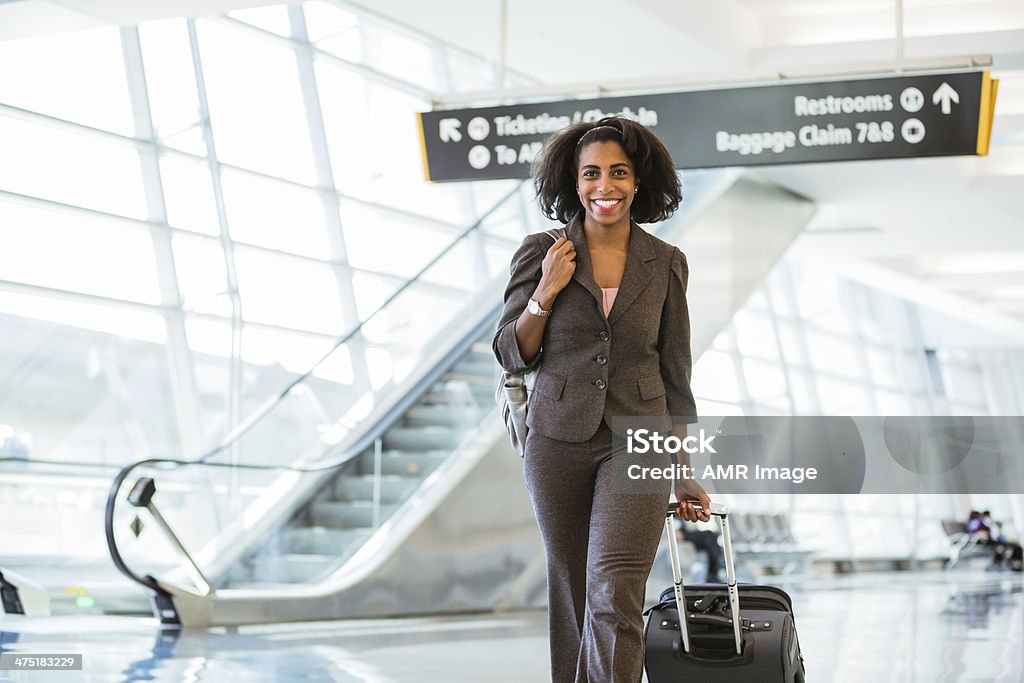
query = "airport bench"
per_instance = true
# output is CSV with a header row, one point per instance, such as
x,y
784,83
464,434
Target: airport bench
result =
x,y
767,540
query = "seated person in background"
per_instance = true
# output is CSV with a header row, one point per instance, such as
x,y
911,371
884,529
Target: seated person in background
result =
x,y
993,529
975,527
984,528
1012,553
707,543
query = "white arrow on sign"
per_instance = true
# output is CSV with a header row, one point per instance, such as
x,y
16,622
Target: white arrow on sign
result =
x,y
945,94
449,130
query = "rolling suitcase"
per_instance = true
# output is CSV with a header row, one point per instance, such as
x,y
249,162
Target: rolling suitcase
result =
x,y
709,646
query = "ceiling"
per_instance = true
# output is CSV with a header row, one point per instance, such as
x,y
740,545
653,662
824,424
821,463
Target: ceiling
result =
x,y
945,232
25,18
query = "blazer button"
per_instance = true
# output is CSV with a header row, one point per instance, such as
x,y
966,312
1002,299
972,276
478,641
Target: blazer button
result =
x,y
602,359
601,384
603,335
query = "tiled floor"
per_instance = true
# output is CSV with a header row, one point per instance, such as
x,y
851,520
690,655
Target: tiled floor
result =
x,y
906,627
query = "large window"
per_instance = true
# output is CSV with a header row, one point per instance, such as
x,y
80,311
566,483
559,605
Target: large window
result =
x,y
77,76
77,252
192,211
66,165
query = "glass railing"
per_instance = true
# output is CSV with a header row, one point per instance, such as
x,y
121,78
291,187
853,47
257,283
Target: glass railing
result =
x,y
49,510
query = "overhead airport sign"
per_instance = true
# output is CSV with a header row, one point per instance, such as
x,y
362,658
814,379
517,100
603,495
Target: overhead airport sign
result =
x,y
946,114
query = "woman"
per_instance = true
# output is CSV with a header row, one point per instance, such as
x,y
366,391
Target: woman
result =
x,y
608,304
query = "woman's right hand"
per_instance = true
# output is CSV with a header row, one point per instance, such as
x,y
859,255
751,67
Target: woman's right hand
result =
x,y
689,493
556,270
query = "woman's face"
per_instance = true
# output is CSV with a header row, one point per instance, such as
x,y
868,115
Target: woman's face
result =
x,y
605,182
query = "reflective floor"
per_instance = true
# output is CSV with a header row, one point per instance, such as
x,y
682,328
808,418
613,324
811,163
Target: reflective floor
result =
x,y
920,627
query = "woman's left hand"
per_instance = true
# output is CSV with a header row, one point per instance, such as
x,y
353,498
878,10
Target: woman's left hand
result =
x,y
689,493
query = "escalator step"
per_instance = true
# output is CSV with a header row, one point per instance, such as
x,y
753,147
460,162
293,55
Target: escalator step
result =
x,y
404,463
347,515
320,540
421,438
394,487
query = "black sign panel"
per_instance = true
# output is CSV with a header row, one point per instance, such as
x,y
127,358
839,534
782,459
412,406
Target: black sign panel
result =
x,y
884,118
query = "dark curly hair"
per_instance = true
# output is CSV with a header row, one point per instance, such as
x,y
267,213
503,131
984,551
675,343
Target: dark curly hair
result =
x,y
555,169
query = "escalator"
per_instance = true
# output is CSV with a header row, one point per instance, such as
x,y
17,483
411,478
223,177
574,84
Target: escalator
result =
x,y
324,532
301,534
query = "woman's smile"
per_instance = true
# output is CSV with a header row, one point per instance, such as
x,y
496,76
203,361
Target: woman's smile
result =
x,y
606,205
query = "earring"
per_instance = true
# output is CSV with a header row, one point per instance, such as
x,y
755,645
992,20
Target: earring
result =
x,y
636,189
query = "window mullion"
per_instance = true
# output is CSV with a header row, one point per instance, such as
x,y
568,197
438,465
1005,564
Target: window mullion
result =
x,y
180,367
325,178
234,393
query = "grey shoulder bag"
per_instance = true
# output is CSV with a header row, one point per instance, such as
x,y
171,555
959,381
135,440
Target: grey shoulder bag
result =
x,y
515,388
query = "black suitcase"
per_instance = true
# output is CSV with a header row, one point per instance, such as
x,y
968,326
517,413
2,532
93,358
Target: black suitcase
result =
x,y
711,647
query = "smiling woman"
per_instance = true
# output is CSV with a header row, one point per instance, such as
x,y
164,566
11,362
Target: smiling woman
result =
x,y
607,302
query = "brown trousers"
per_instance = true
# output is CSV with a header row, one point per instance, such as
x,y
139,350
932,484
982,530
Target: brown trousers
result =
x,y
600,545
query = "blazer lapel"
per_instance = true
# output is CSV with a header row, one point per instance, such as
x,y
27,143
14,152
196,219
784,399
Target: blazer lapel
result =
x,y
637,274
584,273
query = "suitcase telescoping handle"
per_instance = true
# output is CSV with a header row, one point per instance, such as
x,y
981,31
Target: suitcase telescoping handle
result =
x,y
722,512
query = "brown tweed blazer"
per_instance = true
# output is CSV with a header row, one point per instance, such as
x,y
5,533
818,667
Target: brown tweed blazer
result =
x,y
634,363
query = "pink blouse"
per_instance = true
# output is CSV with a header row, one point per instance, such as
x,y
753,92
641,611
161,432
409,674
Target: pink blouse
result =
x,y
609,298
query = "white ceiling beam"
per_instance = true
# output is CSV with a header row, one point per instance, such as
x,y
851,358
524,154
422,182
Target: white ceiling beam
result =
x,y
979,319
561,41
870,243
800,8
30,18
20,20
857,25
127,12
1009,306
726,27
919,204
681,81
976,282
1005,46
472,25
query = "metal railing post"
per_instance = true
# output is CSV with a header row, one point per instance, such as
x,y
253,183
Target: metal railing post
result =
x,y
378,457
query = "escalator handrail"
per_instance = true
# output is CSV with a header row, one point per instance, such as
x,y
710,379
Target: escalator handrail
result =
x,y
61,463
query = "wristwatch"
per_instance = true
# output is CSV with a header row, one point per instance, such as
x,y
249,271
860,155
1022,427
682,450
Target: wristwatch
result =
x,y
534,308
